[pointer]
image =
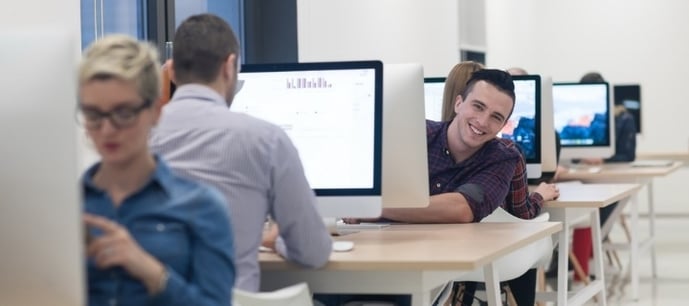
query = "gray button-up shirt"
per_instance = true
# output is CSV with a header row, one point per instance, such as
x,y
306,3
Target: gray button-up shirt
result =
x,y
256,167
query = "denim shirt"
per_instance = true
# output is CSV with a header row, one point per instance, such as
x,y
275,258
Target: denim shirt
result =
x,y
182,224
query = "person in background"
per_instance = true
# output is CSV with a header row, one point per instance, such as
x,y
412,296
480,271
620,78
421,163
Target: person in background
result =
x,y
455,83
155,238
625,151
251,161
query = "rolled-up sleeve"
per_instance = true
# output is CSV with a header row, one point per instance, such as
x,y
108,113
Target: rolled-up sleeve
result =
x,y
304,238
212,270
487,190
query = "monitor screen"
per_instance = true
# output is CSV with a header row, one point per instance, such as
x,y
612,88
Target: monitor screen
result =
x,y
630,97
332,112
582,116
524,125
433,97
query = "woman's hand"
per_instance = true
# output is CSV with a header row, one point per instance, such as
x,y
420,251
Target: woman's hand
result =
x,y
549,192
117,248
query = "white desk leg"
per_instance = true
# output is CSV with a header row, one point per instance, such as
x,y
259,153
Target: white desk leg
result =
x,y
652,231
634,252
563,263
490,274
598,254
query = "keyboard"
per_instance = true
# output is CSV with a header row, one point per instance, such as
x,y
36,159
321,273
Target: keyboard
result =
x,y
651,163
362,226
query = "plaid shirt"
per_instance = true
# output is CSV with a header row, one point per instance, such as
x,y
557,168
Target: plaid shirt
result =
x,y
483,179
517,203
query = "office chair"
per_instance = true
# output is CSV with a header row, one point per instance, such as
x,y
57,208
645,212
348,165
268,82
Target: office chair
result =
x,y
537,254
295,295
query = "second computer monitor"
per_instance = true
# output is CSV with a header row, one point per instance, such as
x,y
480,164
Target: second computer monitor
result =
x,y
582,116
433,89
524,125
333,114
405,153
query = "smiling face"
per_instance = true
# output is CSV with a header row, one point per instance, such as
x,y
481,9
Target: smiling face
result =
x,y
121,143
480,116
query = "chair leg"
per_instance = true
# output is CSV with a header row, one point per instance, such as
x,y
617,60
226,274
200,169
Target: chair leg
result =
x,y
511,301
625,227
577,268
540,283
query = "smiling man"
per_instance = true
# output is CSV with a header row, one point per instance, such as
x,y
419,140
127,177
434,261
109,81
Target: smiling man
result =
x,y
469,168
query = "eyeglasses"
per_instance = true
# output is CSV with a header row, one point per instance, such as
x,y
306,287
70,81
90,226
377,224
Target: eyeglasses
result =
x,y
120,117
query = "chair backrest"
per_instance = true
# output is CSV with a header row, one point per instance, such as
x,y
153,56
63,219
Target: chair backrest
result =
x,y
515,264
295,295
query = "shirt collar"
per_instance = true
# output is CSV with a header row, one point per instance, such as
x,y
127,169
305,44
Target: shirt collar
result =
x,y
162,176
443,139
198,92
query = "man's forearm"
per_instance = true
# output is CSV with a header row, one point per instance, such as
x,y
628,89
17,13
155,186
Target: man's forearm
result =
x,y
443,208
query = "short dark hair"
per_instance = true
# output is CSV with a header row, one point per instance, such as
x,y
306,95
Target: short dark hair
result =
x,y
592,77
498,78
202,43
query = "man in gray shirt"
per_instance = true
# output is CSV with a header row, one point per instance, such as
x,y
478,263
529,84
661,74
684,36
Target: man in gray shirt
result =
x,y
251,161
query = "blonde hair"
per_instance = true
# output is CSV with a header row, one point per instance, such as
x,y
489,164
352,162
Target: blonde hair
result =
x,y
455,84
125,58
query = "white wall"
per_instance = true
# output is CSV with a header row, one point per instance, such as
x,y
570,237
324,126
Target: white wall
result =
x,y
394,31
635,41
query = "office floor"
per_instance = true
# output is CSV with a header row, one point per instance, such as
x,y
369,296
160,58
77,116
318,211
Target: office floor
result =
x,y
672,284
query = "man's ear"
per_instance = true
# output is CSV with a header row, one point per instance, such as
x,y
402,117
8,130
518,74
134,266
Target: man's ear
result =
x,y
458,101
231,66
170,70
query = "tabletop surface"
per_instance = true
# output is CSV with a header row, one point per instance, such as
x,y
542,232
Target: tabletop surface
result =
x,y
592,195
428,246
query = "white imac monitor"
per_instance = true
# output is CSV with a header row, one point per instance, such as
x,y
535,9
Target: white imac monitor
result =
x,y
583,117
333,114
433,89
548,146
524,126
405,153
41,241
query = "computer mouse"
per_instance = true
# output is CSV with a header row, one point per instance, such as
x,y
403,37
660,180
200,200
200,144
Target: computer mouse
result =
x,y
342,246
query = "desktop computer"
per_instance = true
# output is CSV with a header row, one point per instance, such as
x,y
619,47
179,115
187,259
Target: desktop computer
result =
x,y
41,242
584,119
333,113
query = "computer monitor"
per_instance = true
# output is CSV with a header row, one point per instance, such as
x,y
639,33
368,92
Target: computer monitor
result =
x,y
548,146
630,97
433,89
41,242
582,115
524,126
405,152
333,113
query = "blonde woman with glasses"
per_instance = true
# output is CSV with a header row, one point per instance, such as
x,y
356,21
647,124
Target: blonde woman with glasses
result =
x,y
153,237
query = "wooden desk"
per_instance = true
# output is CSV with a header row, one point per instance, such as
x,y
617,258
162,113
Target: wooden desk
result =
x,y
410,259
576,201
675,156
624,173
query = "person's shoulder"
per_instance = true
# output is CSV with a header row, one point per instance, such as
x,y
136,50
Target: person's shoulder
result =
x,y
503,149
434,126
188,190
434,129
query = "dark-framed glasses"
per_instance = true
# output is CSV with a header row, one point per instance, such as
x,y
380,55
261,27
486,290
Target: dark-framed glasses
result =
x,y
120,117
